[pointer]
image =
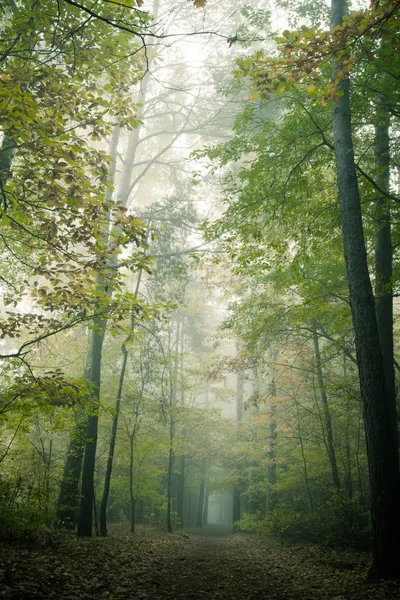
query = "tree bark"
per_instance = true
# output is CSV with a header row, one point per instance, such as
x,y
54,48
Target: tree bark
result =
x,y
87,490
99,327
200,506
180,500
303,455
68,499
383,250
381,434
236,513
330,446
271,454
131,493
170,476
107,480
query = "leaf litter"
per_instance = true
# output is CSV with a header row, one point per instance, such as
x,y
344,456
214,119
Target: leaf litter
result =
x,y
151,566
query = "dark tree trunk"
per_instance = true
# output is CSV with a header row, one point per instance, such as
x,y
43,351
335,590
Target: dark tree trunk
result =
x,y
381,433
86,506
383,251
99,327
67,504
180,497
169,481
107,480
132,496
7,151
200,506
96,521
330,446
271,454
303,455
236,513
348,479
205,510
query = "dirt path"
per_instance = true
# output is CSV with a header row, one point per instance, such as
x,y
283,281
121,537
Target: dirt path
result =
x,y
150,566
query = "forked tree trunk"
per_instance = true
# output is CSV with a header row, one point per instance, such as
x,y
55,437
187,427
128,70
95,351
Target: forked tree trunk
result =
x,y
380,430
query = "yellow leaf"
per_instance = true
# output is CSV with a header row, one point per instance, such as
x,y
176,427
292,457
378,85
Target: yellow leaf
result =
x,y
200,3
311,87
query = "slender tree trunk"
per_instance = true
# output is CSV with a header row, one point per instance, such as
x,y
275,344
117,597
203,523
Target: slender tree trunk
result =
x,y
180,503
181,478
205,509
271,454
131,493
68,503
303,455
348,479
383,251
200,506
381,433
236,513
170,476
330,446
99,327
107,480
87,490
96,521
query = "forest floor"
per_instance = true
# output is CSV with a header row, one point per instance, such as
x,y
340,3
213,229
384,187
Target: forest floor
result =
x,y
153,566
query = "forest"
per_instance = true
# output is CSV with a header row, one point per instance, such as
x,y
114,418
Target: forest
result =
x,y
199,335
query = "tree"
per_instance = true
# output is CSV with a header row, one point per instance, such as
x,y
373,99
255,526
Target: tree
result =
x,y
380,427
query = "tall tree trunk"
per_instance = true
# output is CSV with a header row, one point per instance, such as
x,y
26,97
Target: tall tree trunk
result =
x,y
205,509
383,250
381,433
180,500
236,513
330,446
67,504
87,490
131,492
348,478
99,326
171,454
271,454
170,476
303,455
107,480
200,506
